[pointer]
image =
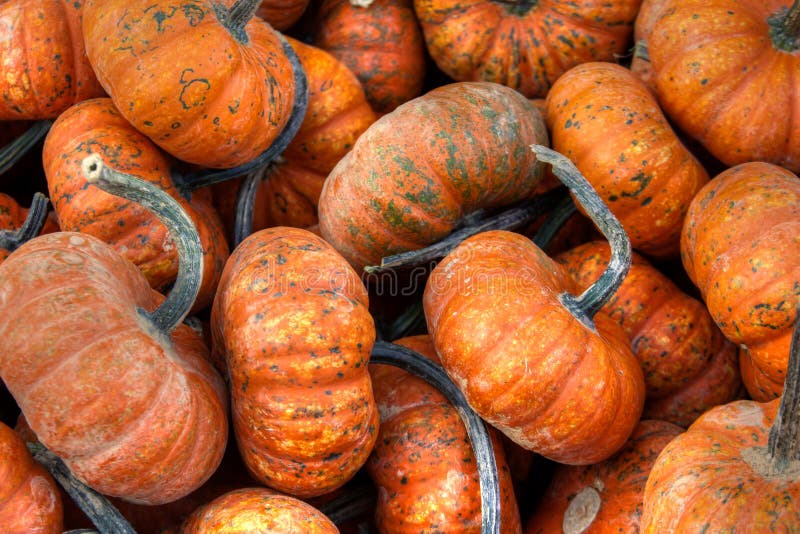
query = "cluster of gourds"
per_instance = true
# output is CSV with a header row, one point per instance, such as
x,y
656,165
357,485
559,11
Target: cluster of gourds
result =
x,y
400,266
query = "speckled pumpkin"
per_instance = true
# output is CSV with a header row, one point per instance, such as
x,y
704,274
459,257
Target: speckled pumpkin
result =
x,y
526,45
415,173
29,498
604,498
423,462
291,320
609,124
45,68
208,84
741,247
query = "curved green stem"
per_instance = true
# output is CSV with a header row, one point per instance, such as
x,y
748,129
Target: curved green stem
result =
x,y
96,506
236,17
554,222
181,229
12,152
10,240
783,446
591,300
784,28
245,205
413,362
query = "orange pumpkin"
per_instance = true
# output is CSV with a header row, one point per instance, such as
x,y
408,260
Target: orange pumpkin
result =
x,y
282,14
524,45
106,374
649,12
741,247
725,73
609,124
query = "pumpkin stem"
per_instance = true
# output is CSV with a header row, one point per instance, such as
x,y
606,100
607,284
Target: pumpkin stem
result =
x,y
784,28
246,203
10,240
181,229
783,446
413,362
236,17
13,151
356,501
96,506
591,300
557,218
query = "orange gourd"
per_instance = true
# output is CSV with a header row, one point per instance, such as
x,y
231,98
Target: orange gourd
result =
x,y
282,14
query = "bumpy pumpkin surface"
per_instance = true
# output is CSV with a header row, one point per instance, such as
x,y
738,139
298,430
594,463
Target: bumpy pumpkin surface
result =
x,y
726,73
45,68
610,125
525,45
291,319
605,497
423,462
209,85
416,172
563,386
29,498
741,247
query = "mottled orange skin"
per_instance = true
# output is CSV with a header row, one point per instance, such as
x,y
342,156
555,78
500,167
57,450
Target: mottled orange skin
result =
x,y
527,365
619,482
671,333
179,76
257,510
423,463
609,124
96,126
380,42
741,247
132,412
291,319
525,45
282,14
45,68
415,173
722,80
703,482
29,499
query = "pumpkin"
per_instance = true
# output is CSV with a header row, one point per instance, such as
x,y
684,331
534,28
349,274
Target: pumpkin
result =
x,y
671,333
96,126
741,247
45,68
560,379
737,466
649,12
525,45
423,463
291,320
211,85
106,374
29,498
281,14
606,496
724,72
380,41
415,173
609,124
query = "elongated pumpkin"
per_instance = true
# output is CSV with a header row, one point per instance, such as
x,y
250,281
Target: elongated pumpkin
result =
x,y
106,374
415,173
291,320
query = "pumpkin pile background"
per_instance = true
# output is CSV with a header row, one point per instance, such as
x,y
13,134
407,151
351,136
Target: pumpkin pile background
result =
x,y
394,124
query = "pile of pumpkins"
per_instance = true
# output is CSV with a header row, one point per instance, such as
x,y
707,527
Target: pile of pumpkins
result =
x,y
591,324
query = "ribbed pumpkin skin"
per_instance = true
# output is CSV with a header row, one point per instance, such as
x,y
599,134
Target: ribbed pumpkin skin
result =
x,y
423,462
416,172
702,481
129,413
671,333
525,363
180,77
609,124
96,126
649,12
251,510
282,14
618,482
291,318
45,68
29,498
741,247
381,42
722,80
525,45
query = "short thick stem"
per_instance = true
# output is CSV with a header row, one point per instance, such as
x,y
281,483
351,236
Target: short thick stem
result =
x,y
181,229
783,446
10,240
16,149
785,28
236,17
